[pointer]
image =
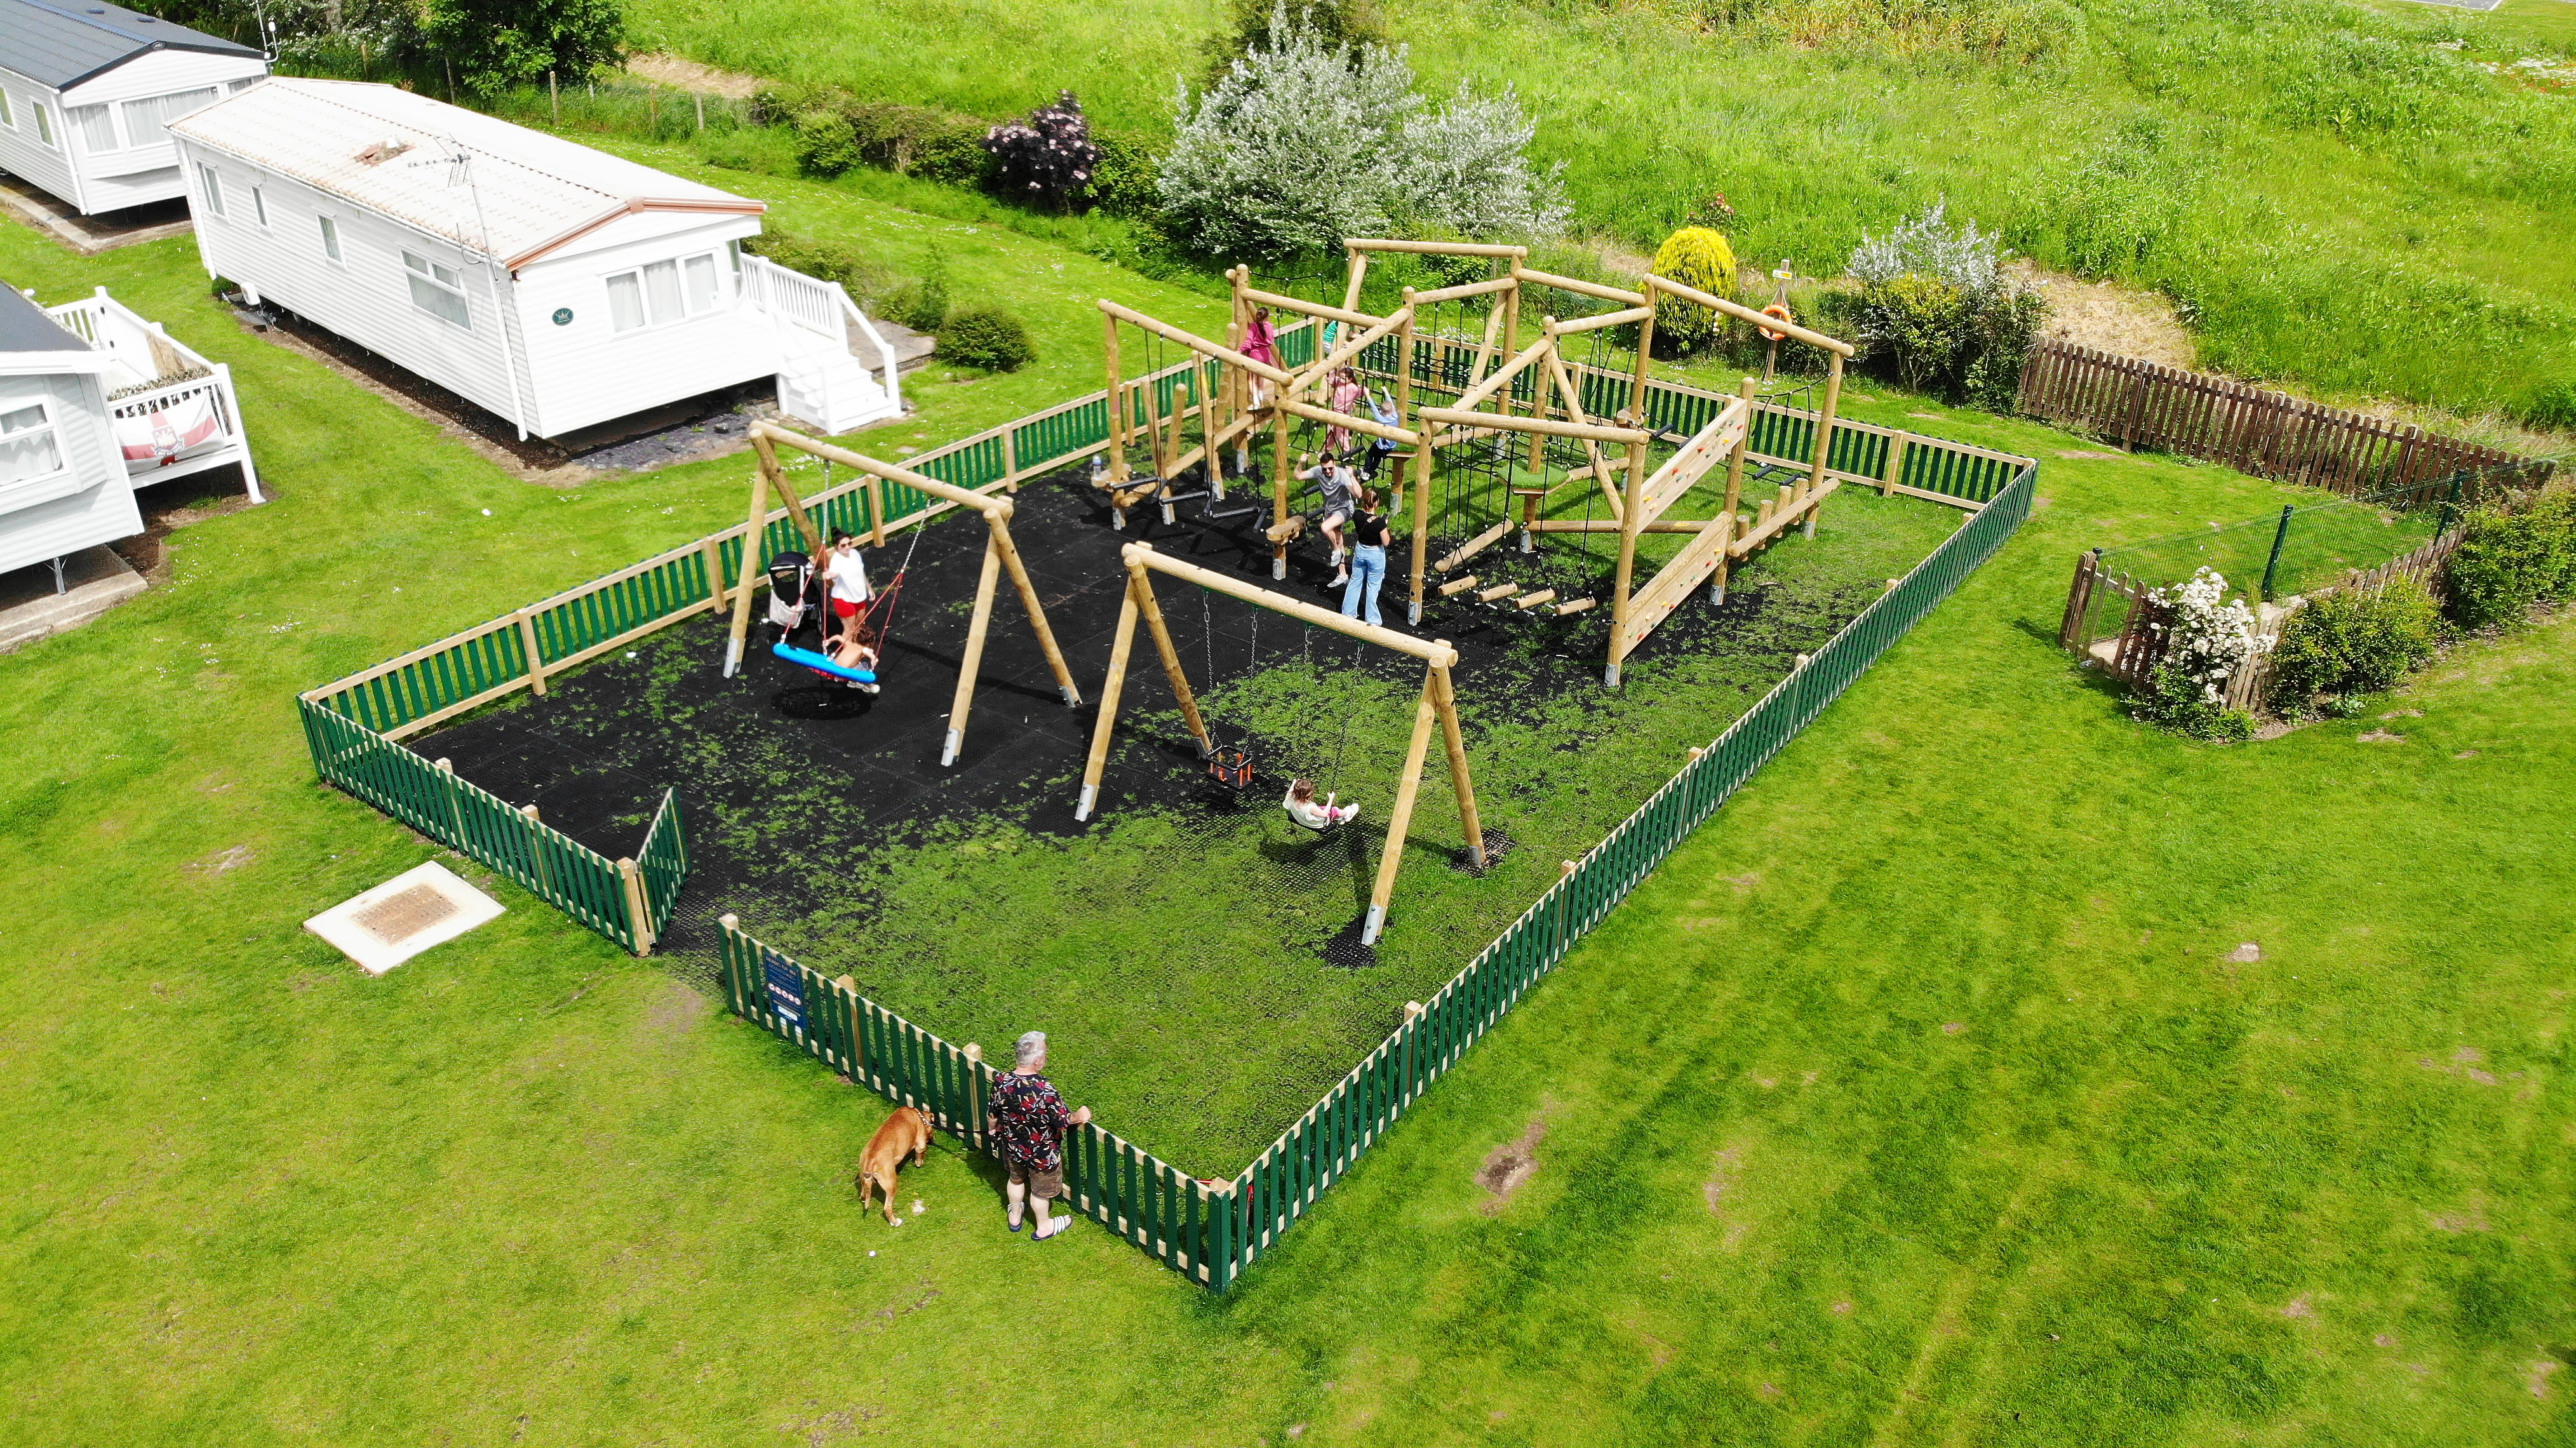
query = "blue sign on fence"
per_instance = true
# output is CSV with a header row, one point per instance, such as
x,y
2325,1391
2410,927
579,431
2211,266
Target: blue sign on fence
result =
x,y
786,989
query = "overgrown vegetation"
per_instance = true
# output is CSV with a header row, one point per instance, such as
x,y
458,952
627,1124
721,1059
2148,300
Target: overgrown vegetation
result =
x,y
2237,160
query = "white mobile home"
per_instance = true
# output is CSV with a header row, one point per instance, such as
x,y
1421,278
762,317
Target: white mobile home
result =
x,y
62,487
86,90
555,285
94,403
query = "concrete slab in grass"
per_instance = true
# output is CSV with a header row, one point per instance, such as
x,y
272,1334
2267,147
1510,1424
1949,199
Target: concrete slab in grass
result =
x,y
421,907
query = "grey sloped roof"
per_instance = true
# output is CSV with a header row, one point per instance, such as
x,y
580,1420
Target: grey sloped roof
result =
x,y
61,43
24,327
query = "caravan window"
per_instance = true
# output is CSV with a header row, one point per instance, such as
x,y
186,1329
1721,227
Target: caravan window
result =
x,y
145,118
44,122
214,188
438,290
28,449
330,237
662,292
6,118
259,204
97,128
698,275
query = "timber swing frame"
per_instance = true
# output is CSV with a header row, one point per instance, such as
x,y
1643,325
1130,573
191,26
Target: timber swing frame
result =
x,y
1437,704
1228,412
1001,555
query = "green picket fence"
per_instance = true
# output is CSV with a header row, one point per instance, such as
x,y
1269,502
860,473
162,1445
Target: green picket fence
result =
x,y
549,864
1194,1226
1212,1231
663,862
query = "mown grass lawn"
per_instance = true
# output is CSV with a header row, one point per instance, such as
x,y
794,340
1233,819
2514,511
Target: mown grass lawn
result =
x,y
528,1189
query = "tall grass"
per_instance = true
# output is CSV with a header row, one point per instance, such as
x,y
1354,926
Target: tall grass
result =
x,y
2333,198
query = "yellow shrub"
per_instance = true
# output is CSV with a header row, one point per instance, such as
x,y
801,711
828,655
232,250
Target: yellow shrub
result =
x,y
1698,257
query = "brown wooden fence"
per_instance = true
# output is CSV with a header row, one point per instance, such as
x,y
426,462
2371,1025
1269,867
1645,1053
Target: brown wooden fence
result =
x,y
2268,434
2133,652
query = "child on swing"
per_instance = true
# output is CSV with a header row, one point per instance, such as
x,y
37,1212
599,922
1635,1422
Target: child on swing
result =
x,y
1302,807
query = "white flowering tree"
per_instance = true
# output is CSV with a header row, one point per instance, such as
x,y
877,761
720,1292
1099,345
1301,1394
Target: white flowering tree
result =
x,y
1304,142
1467,171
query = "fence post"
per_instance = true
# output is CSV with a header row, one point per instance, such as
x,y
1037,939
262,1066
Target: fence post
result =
x,y
1010,458
537,852
639,915
1895,465
2079,597
554,101
713,552
2272,565
536,655
455,811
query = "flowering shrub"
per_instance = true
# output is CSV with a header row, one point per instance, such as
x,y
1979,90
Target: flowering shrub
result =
x,y
1048,159
1305,141
2207,637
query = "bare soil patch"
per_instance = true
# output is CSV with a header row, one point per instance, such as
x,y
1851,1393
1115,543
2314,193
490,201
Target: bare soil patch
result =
x,y
2112,317
1510,1166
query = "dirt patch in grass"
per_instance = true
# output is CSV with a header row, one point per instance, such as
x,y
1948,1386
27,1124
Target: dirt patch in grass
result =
x,y
2380,736
671,70
1509,1167
2128,321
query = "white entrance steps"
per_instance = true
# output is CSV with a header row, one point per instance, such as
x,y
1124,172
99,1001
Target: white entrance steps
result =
x,y
820,382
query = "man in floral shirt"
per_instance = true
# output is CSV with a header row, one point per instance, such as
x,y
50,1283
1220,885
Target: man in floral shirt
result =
x,y
1028,1120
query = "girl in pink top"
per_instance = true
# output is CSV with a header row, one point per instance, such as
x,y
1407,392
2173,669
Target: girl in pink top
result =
x,y
1261,344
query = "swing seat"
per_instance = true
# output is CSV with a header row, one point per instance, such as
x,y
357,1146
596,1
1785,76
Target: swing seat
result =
x,y
1231,767
821,664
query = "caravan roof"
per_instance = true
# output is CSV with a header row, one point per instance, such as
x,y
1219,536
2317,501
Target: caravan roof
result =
x,y
62,44
400,154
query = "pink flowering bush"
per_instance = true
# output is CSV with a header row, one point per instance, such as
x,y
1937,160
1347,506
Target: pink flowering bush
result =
x,y
1046,160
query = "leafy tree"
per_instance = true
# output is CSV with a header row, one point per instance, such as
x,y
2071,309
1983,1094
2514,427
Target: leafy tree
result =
x,y
1350,25
496,44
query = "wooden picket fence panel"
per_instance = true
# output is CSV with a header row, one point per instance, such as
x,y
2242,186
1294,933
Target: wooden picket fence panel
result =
x,y
2251,429
1213,1231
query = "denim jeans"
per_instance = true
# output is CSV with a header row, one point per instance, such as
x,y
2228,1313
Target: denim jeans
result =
x,y
1368,571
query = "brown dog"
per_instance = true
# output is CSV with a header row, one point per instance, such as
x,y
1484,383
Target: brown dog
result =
x,y
907,1132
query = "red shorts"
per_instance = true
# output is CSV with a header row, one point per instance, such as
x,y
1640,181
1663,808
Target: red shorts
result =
x,y
845,608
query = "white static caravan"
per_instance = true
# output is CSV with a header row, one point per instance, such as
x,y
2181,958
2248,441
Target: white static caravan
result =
x,y
87,88
96,402
62,486
555,285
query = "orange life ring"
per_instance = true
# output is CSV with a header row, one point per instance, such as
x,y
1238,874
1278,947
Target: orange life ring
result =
x,y
1780,311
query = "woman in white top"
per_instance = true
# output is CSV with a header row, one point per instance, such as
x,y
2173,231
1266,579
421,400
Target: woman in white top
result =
x,y
1305,809
847,572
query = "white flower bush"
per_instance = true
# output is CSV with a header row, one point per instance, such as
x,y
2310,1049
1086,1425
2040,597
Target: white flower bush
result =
x,y
1303,143
1966,258
2208,636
